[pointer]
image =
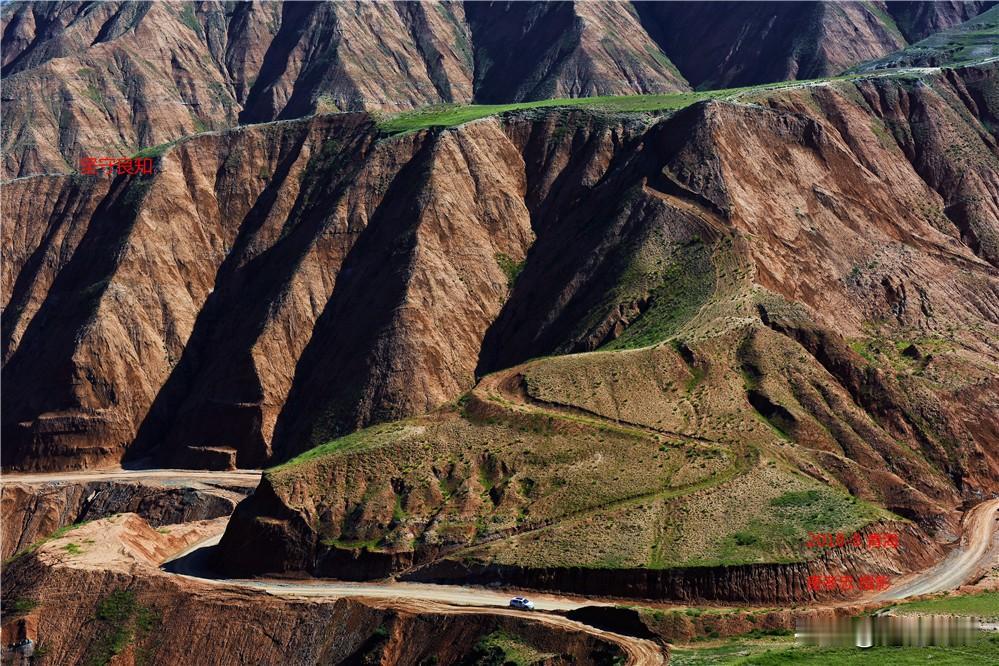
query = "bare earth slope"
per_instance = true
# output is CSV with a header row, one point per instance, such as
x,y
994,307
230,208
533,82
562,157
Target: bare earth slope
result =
x,y
111,78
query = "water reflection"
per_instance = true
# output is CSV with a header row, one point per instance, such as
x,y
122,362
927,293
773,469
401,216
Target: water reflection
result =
x,y
904,630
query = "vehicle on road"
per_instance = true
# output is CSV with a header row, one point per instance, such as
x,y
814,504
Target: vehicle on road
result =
x,y
522,603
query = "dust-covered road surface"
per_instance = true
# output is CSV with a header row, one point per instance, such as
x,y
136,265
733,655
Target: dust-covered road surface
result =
x,y
186,565
978,549
423,597
181,477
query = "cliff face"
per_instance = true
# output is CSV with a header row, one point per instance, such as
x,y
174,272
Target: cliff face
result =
x,y
733,44
111,78
770,583
202,302
918,20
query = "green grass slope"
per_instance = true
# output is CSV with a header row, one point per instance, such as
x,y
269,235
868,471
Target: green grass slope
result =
x,y
972,41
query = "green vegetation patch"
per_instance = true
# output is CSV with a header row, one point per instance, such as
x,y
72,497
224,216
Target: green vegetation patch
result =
x,y
503,649
777,652
825,510
190,19
356,441
510,268
449,115
59,533
155,151
355,544
94,94
732,651
20,606
685,284
985,604
122,621
784,525
885,18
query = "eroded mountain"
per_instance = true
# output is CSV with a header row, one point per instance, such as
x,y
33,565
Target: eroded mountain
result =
x,y
113,78
773,315
764,305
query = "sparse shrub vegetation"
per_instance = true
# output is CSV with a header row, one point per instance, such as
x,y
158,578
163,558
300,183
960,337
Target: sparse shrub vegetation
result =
x,y
122,621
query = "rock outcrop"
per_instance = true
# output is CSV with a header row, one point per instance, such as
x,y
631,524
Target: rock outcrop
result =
x,y
32,512
772,583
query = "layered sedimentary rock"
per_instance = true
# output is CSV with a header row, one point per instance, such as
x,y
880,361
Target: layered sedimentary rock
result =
x,y
128,75
109,79
769,583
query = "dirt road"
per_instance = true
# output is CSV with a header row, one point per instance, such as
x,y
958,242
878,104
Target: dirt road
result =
x,y
422,597
639,651
187,477
979,543
979,547
191,563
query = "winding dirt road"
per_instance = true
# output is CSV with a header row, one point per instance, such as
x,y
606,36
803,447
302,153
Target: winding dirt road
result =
x,y
187,477
978,549
422,598
189,564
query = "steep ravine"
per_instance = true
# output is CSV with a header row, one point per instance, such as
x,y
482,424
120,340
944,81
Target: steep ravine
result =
x,y
33,512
